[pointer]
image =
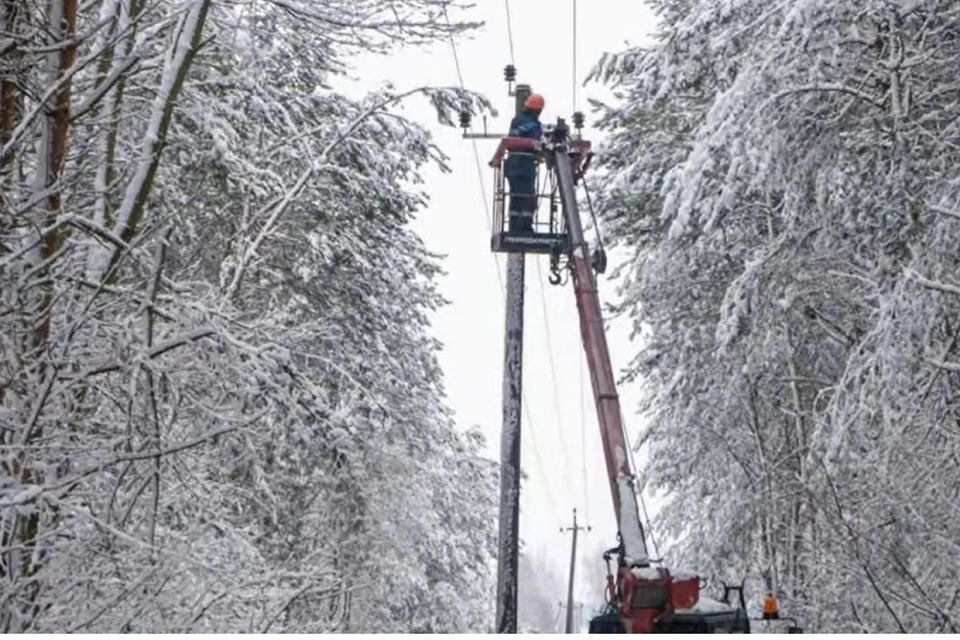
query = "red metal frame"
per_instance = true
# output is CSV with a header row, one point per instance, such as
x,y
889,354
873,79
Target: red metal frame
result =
x,y
581,149
512,143
681,592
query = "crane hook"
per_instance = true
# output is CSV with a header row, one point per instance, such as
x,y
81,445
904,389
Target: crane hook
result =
x,y
555,277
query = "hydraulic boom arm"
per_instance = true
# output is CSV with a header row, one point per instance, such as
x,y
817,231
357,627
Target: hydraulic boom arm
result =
x,y
641,597
609,416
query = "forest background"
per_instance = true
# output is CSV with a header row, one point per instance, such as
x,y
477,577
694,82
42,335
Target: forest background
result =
x,y
221,404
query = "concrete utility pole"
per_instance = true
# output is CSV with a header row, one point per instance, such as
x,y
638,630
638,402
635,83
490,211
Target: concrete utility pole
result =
x,y
507,561
573,565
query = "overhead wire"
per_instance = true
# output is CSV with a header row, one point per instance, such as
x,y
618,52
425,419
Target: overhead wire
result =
x,y
546,321
593,216
583,417
555,385
506,4
632,461
483,192
583,443
486,204
575,97
643,504
639,493
583,421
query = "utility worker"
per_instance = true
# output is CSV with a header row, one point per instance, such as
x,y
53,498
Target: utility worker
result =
x,y
521,165
770,609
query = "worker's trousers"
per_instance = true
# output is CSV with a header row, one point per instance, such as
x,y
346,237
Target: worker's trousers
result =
x,y
523,200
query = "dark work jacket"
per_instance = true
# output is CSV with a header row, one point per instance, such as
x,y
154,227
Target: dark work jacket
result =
x,y
525,124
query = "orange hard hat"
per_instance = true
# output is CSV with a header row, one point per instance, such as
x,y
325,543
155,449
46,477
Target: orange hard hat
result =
x,y
534,101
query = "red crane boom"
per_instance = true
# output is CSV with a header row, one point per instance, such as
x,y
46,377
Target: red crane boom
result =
x,y
643,594
593,334
641,597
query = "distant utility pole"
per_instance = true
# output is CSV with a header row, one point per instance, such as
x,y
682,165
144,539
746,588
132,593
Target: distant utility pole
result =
x,y
578,607
573,566
508,560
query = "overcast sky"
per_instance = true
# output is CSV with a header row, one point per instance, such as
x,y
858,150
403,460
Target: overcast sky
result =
x,y
556,444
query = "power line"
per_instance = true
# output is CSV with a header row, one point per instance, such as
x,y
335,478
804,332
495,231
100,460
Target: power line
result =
x,y
536,454
639,491
506,4
633,467
653,539
487,215
546,321
476,153
557,619
575,55
553,371
583,442
556,386
486,204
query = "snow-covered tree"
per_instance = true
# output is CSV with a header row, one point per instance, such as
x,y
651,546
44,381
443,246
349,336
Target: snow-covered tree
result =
x,y
220,406
786,176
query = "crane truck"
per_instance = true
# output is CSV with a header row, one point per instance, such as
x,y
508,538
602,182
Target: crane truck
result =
x,y
642,595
